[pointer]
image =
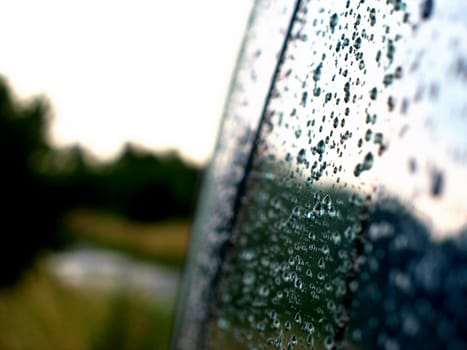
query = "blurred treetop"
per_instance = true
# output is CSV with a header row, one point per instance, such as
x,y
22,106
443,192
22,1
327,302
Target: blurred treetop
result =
x,y
40,183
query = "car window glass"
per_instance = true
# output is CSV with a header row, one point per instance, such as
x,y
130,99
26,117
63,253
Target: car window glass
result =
x,y
348,224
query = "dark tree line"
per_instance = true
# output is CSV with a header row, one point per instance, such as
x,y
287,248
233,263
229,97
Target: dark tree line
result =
x,y
28,212
138,184
39,184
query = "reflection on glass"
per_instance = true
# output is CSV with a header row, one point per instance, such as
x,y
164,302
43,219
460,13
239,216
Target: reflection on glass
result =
x,y
349,224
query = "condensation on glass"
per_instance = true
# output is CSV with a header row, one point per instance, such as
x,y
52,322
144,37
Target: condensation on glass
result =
x,y
334,214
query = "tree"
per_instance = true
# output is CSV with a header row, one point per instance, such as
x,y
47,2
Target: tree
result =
x,y
29,210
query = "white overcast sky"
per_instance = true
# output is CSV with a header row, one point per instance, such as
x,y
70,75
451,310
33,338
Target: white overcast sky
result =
x,y
148,71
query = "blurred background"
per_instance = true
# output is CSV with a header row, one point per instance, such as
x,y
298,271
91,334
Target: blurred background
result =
x,y
108,115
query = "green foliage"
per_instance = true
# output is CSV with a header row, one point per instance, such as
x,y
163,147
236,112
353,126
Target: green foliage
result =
x,y
146,187
138,185
135,324
40,312
29,210
40,184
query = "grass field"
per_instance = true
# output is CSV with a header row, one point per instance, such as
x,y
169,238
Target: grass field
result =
x,y
165,242
43,313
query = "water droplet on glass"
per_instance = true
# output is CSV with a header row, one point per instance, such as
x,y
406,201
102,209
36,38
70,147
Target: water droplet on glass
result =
x,y
223,323
333,21
301,156
264,291
437,183
321,263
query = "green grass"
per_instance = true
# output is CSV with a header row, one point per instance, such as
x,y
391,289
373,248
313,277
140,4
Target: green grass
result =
x,y
164,242
42,313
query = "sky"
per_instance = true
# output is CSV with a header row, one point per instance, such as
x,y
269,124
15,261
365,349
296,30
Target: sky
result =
x,y
155,73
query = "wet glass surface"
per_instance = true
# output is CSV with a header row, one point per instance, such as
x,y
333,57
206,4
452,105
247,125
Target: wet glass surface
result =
x,y
347,227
